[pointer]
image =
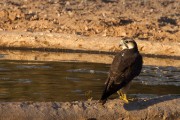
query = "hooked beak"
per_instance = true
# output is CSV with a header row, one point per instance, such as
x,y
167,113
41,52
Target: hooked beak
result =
x,y
122,43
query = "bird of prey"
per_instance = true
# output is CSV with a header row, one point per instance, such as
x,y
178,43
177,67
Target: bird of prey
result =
x,y
126,65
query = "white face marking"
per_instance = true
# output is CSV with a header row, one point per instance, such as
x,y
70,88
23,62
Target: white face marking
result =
x,y
124,47
130,45
127,44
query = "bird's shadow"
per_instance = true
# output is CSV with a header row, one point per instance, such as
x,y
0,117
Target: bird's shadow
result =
x,y
141,104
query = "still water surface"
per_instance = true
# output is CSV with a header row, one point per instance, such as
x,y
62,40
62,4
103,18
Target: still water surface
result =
x,y
69,81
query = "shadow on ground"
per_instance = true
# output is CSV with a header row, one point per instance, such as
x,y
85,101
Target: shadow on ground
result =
x,y
143,104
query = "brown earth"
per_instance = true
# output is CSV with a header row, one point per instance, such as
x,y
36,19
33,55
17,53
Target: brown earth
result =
x,y
142,19
160,108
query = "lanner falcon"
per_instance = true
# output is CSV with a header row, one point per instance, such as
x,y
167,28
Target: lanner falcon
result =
x,y
126,65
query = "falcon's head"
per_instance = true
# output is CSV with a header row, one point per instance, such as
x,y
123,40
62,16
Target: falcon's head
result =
x,y
128,43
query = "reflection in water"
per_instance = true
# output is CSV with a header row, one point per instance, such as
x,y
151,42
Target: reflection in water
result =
x,y
69,81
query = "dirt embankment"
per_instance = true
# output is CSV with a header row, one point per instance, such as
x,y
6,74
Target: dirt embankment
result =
x,y
49,42
157,20
165,107
80,57
54,41
36,24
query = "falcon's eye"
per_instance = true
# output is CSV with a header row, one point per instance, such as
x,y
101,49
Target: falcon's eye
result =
x,y
126,41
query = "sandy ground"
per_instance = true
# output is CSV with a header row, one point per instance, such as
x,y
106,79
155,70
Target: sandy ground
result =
x,y
157,20
161,108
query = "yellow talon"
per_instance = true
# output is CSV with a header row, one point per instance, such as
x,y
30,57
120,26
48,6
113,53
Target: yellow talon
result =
x,y
123,96
90,99
88,95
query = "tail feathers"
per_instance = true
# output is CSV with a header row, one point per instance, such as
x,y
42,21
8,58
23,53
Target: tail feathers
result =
x,y
103,101
109,91
104,97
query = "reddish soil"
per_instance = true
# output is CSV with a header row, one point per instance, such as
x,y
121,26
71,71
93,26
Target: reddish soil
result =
x,y
142,19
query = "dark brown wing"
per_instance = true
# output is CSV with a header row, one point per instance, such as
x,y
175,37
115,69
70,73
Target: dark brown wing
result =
x,y
125,66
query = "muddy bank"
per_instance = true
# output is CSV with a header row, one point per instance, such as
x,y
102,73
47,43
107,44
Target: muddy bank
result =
x,y
48,41
164,107
79,57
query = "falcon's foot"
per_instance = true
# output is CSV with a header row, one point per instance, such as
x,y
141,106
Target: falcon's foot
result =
x,y
123,96
88,95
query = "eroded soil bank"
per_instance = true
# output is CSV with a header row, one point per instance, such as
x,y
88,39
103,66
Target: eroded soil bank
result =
x,y
54,41
79,57
164,107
